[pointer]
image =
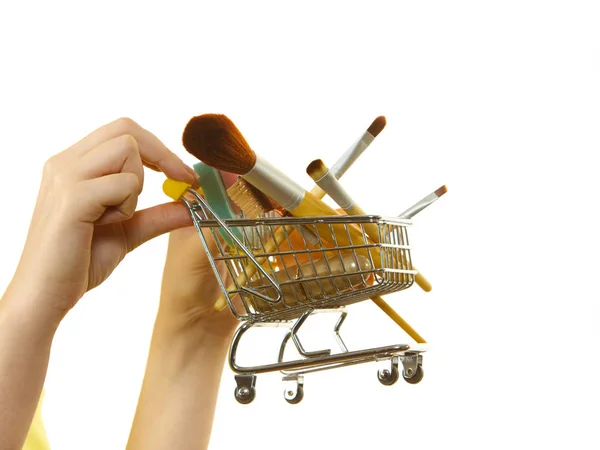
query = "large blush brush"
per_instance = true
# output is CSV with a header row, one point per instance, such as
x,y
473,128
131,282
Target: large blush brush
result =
x,y
216,141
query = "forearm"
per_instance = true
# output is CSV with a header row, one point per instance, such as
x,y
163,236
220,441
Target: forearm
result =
x,y
26,334
179,393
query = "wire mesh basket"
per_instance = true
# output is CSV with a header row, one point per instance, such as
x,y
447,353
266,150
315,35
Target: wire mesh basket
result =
x,y
279,267
281,270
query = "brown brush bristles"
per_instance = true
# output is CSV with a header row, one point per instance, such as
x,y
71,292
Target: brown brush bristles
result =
x,y
216,141
441,191
317,169
377,126
249,199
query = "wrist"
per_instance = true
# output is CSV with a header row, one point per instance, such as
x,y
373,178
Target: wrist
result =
x,y
172,327
175,351
31,306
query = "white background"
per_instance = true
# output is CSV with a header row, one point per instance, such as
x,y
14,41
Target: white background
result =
x,y
498,100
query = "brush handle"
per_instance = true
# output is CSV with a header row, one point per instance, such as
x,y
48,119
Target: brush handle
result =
x,y
311,206
392,314
349,273
372,231
250,269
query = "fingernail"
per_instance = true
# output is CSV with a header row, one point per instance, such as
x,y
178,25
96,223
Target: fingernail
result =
x,y
196,184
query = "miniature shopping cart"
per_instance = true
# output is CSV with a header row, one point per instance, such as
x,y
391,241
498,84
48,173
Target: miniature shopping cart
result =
x,y
279,271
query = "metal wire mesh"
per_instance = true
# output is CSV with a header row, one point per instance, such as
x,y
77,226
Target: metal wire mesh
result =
x,y
276,268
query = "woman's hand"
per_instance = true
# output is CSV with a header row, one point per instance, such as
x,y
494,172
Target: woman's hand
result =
x,y
190,288
85,219
188,348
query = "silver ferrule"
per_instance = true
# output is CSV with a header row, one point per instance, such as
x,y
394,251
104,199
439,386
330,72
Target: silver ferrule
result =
x,y
351,155
419,206
330,184
276,184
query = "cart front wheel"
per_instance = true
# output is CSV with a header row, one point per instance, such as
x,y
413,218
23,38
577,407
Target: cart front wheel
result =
x,y
387,377
245,395
415,377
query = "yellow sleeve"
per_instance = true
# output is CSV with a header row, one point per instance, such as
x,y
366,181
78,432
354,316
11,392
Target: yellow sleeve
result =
x,y
36,439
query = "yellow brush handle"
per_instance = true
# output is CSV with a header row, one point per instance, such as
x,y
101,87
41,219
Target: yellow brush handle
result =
x,y
310,207
372,232
318,192
342,235
250,269
396,318
371,229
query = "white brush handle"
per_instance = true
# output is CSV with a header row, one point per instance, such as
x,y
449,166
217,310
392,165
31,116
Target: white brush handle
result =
x,y
331,185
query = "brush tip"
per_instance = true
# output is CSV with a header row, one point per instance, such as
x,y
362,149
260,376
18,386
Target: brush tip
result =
x,y
317,169
216,141
441,191
377,126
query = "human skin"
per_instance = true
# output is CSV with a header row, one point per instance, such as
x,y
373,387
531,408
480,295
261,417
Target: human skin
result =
x,y
188,349
84,223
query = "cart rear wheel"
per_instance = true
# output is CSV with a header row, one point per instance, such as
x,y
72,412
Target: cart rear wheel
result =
x,y
388,377
294,398
414,378
245,395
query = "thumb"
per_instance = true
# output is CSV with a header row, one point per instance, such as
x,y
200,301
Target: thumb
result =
x,y
152,222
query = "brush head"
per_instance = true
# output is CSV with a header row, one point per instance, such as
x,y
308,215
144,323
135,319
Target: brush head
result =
x,y
317,169
249,199
441,191
377,126
216,141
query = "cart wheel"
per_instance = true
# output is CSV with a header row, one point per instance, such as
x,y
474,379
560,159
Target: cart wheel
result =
x,y
292,398
388,377
416,377
245,395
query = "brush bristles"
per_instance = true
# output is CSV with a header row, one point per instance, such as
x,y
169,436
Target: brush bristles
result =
x,y
377,126
317,169
249,199
216,141
441,191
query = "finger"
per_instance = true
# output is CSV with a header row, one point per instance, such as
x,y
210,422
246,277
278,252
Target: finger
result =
x,y
153,152
153,222
229,178
115,192
120,154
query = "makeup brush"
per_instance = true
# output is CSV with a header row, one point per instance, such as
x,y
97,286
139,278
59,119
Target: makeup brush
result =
x,y
423,203
215,140
326,180
330,185
352,154
321,174
249,199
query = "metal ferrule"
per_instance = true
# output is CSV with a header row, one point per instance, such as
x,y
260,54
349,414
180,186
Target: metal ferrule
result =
x,y
351,155
276,184
330,184
419,206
